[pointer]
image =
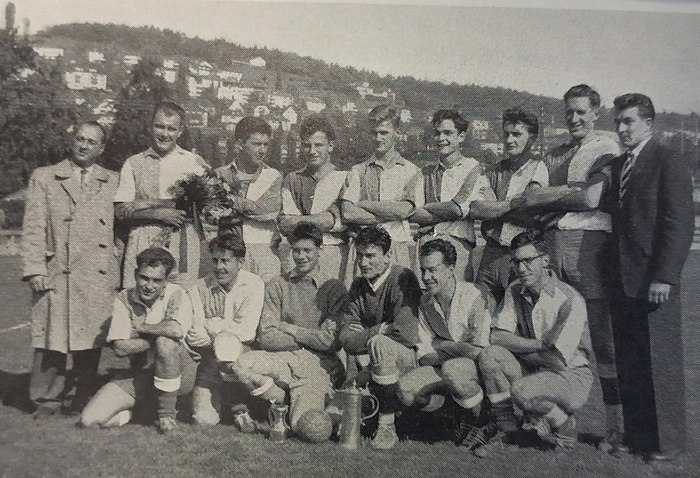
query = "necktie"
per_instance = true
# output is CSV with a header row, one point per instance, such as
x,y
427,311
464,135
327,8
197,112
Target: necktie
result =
x,y
83,172
626,173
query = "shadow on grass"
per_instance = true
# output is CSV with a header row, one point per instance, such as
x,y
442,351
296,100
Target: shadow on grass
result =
x,y
14,391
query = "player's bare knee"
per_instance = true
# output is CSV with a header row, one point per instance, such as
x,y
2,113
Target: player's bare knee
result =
x,y
489,363
406,393
165,346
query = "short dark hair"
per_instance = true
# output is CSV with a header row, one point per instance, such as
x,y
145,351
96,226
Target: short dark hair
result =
x,y
94,124
374,236
306,230
519,115
642,102
450,115
154,257
448,251
250,125
583,91
315,123
170,108
529,237
229,242
382,113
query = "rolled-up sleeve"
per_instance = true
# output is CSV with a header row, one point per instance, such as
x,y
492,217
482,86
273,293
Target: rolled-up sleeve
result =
x,y
126,191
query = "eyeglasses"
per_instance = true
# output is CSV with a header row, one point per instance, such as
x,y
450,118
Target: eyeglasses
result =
x,y
526,261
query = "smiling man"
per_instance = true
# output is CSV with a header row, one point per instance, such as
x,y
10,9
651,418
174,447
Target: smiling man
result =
x,y
651,202
227,305
257,193
382,190
449,187
519,174
149,323
382,322
298,333
540,349
311,195
69,261
144,203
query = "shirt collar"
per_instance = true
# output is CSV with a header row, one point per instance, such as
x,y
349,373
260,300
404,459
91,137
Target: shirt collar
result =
x,y
391,158
238,172
441,164
77,169
134,297
548,285
314,276
152,153
638,149
380,280
514,166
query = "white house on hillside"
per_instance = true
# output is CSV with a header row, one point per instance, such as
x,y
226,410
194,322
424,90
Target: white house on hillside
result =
x,y
131,60
261,110
48,52
315,105
228,91
96,57
405,116
289,117
279,100
258,62
81,79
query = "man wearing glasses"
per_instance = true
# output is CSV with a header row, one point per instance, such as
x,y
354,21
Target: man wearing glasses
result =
x,y
538,359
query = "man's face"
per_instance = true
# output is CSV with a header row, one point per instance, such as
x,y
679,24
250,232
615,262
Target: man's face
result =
x,y
384,135
580,116
317,149
530,265
447,138
167,128
88,145
632,129
151,282
254,149
435,273
372,261
225,266
516,138
305,255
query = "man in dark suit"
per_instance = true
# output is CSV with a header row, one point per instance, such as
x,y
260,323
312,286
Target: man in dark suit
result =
x,y
651,203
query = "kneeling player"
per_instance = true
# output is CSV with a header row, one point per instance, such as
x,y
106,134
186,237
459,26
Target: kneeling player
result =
x,y
298,335
539,357
227,305
148,325
455,322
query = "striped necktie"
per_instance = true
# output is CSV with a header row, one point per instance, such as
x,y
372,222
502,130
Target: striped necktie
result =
x,y
626,173
83,173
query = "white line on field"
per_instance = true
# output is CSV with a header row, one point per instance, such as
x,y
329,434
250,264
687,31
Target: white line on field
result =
x,y
16,327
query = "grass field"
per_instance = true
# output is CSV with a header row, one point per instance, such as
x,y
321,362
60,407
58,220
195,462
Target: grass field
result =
x,y
56,448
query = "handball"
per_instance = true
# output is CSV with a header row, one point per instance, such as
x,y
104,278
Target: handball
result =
x,y
314,426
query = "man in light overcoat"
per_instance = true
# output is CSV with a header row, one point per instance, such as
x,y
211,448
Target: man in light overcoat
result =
x,y
70,264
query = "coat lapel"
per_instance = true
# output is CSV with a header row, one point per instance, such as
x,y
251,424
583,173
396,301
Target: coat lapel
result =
x,y
640,168
66,176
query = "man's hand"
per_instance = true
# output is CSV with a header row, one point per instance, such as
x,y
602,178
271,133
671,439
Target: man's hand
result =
x,y
38,283
168,327
287,223
659,292
214,325
169,216
287,328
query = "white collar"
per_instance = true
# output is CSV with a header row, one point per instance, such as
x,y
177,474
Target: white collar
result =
x,y
380,280
638,149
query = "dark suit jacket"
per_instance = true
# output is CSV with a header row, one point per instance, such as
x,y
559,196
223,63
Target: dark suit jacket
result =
x,y
653,228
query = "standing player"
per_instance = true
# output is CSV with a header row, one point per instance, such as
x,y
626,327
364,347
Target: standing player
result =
x,y
298,333
311,195
455,323
382,321
518,174
68,255
143,201
227,305
382,190
538,359
449,187
257,189
578,234
149,323
653,222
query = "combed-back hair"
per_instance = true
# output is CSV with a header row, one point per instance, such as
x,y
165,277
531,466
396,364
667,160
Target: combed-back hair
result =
x,y
382,113
519,115
529,237
461,125
583,91
315,123
250,125
448,251
154,257
306,230
642,102
229,242
374,236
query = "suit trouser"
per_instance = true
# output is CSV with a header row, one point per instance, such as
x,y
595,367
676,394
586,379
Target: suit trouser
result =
x,y
649,355
50,381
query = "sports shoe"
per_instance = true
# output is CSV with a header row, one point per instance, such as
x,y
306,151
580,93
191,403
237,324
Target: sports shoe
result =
x,y
480,436
539,426
566,435
385,438
166,425
463,427
244,422
46,410
613,444
494,439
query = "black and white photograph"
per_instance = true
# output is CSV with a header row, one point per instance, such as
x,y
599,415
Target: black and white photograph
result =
x,y
349,238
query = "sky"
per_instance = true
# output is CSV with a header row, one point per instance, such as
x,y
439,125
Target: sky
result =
x,y
616,46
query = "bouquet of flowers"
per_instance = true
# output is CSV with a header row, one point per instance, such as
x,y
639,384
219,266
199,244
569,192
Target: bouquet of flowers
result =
x,y
198,193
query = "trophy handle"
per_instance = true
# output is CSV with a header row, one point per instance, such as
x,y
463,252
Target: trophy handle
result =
x,y
375,406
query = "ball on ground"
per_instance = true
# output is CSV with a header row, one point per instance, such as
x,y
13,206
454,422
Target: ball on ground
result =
x,y
314,426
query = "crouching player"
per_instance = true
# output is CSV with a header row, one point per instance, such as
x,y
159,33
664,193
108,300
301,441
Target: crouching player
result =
x,y
298,335
455,323
226,311
382,322
148,324
538,359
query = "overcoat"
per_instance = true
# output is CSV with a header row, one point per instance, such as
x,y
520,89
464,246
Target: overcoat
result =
x,y
68,237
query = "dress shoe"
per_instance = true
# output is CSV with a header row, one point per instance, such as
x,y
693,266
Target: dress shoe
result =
x,y
662,456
